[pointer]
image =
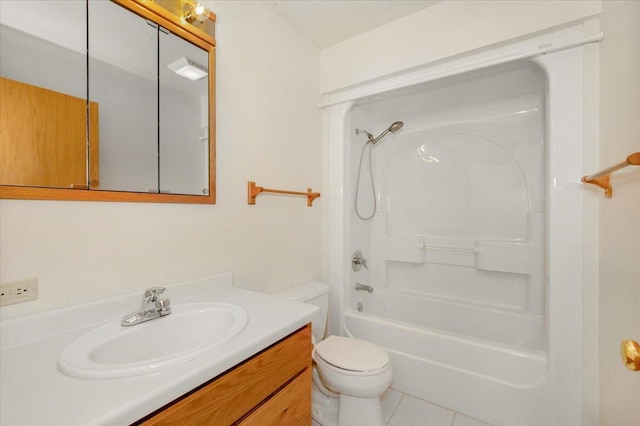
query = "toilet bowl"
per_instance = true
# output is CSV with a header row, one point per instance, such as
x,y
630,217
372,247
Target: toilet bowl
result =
x,y
324,402
359,372
349,374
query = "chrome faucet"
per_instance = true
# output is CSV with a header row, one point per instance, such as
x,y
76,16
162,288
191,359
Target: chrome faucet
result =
x,y
364,287
152,307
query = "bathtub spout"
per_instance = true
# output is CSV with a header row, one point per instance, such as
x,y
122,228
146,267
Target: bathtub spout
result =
x,y
364,287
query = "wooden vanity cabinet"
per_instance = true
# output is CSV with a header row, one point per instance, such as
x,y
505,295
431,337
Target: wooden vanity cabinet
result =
x,y
271,388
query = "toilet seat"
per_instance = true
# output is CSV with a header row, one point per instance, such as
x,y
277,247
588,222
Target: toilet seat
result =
x,y
321,363
351,356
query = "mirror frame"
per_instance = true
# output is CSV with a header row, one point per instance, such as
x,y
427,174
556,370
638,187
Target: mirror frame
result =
x,y
153,12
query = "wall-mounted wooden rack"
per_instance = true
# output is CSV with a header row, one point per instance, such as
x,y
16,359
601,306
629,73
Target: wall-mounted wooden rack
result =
x,y
602,178
254,190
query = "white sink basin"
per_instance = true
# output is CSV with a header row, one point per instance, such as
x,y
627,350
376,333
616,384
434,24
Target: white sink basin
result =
x,y
112,350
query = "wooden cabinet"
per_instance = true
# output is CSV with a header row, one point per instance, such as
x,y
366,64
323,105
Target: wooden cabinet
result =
x,y
43,137
271,388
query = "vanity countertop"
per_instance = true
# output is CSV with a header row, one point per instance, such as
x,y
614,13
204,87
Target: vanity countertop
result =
x,y
34,392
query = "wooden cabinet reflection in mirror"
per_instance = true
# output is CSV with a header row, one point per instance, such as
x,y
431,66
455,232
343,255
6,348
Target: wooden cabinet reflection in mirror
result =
x,y
51,116
44,137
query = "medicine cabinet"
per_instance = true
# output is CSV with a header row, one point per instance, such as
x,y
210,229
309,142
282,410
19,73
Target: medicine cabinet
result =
x,y
105,101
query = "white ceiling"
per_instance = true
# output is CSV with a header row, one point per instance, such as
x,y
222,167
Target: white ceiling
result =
x,y
328,22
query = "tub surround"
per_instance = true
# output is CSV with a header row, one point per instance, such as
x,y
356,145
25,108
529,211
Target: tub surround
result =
x,y
456,248
536,128
34,391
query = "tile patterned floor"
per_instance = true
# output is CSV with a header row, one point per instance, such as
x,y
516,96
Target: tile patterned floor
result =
x,y
400,409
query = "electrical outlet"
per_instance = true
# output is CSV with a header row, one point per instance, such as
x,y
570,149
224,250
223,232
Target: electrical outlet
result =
x,y
18,292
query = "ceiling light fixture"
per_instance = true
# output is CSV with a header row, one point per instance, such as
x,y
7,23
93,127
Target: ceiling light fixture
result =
x,y
187,68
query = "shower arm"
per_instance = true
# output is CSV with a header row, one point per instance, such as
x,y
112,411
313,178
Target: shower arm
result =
x,y
369,135
380,136
395,126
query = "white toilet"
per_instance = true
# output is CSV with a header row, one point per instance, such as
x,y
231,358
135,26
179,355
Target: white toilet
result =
x,y
349,375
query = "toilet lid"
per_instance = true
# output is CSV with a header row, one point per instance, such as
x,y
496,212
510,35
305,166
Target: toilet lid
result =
x,y
352,354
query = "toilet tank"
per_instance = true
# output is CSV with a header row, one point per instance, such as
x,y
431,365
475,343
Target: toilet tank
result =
x,y
314,293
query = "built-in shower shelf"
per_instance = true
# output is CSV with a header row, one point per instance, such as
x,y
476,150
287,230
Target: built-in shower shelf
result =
x,y
254,190
603,178
488,255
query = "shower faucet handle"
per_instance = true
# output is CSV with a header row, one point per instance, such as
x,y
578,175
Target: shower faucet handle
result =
x,y
358,261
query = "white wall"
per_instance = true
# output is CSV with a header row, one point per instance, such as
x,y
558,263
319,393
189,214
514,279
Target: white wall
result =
x,y
620,215
447,29
268,130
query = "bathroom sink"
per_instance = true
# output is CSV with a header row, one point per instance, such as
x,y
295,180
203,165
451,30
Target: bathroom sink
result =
x,y
111,350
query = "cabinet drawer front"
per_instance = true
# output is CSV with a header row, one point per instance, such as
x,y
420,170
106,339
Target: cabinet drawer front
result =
x,y
290,406
227,398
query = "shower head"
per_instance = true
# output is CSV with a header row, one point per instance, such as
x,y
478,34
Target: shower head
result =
x,y
395,126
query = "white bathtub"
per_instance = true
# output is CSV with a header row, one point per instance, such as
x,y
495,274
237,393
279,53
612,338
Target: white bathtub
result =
x,y
495,382
513,330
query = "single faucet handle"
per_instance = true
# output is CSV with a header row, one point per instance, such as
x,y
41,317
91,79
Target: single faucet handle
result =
x,y
163,306
163,303
358,261
151,294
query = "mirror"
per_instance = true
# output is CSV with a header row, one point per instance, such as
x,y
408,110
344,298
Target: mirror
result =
x,y
122,123
43,84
